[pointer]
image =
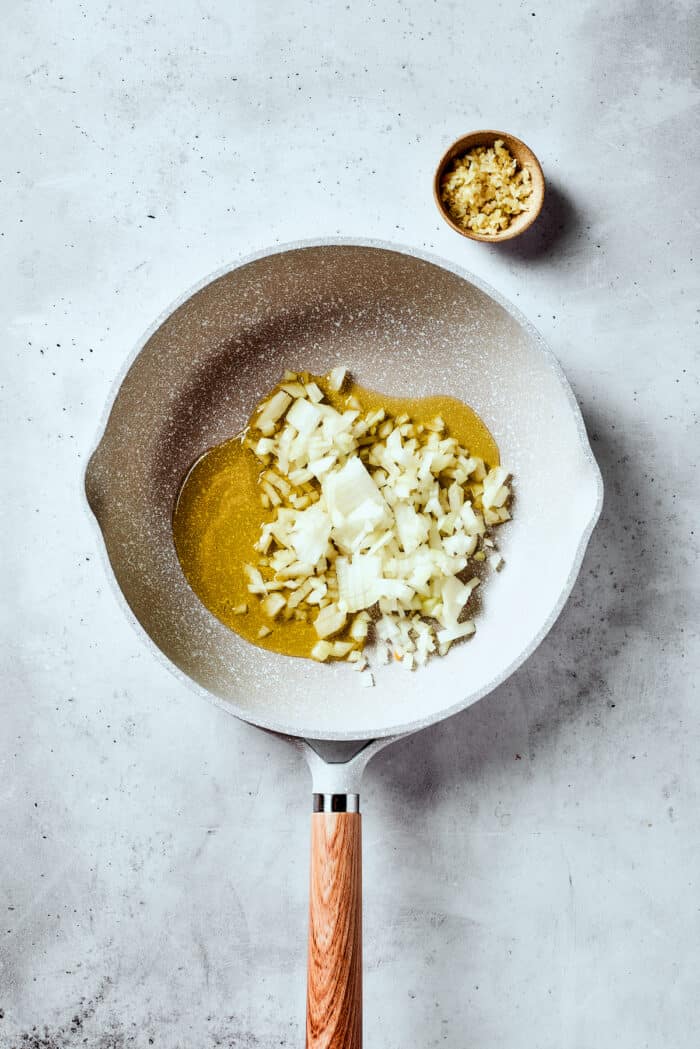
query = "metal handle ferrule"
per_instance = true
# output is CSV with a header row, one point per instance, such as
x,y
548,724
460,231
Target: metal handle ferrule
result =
x,y
336,802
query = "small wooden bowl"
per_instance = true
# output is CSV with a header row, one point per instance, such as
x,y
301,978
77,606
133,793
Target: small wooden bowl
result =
x,y
525,158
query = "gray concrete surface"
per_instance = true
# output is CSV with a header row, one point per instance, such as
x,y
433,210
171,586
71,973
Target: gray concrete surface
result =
x,y
531,866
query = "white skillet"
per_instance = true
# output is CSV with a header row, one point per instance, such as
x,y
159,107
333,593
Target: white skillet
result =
x,y
404,324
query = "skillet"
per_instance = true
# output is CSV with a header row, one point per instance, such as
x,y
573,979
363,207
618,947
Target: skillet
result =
x,y
406,325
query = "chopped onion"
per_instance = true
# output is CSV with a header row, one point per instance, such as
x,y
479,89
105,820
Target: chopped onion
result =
x,y
358,581
304,416
330,620
273,409
310,534
336,378
369,512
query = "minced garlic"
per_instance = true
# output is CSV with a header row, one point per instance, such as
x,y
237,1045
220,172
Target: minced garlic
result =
x,y
484,190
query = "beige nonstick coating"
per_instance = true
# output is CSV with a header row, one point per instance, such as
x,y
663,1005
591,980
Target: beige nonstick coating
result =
x,y
404,325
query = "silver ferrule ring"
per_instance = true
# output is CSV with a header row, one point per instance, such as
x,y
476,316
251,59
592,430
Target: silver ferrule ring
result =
x,y
336,802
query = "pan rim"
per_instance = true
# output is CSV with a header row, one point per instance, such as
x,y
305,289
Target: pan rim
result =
x,y
270,724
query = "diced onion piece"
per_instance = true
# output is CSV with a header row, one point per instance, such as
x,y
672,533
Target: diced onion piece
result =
x,y
349,487
321,651
453,594
265,446
304,416
458,544
300,476
330,620
473,523
299,595
297,568
340,649
294,389
257,583
350,535
273,409
397,589
319,467
500,496
411,526
272,605
453,633
358,581
336,378
493,481
360,627
311,533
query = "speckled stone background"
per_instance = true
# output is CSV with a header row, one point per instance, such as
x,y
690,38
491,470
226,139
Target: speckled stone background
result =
x,y
531,867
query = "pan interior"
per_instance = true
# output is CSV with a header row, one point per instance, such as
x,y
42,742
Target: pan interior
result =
x,y
404,326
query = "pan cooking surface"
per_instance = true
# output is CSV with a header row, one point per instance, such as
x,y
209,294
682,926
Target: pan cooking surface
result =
x,y
403,325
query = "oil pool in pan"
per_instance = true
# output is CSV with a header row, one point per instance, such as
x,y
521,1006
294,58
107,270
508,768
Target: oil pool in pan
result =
x,y
218,514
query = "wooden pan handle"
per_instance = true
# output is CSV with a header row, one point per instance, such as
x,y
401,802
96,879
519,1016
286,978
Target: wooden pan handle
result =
x,y
334,989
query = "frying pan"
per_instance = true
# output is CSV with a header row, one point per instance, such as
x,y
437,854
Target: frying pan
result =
x,y
404,324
